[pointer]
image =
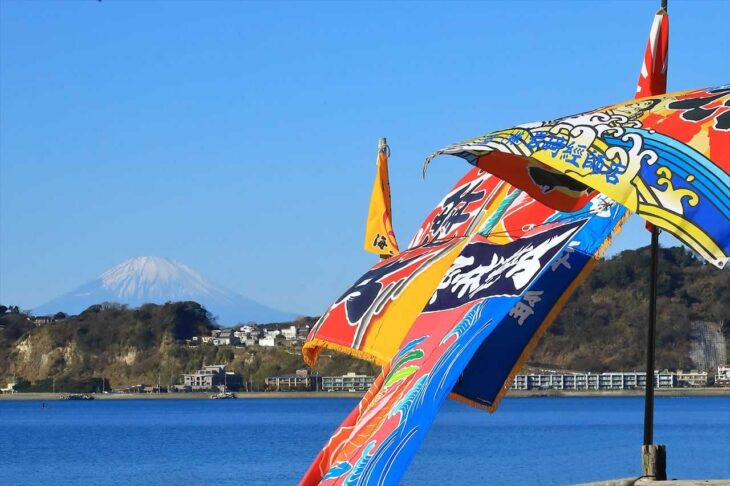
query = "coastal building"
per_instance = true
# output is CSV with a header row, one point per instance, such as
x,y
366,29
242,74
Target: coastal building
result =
x,y
350,382
289,333
248,329
212,377
252,335
303,380
580,381
272,340
620,380
249,340
42,320
722,377
220,337
691,378
303,332
665,379
267,341
225,337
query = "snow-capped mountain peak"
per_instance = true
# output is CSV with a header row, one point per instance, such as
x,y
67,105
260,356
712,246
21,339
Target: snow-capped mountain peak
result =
x,y
158,280
149,275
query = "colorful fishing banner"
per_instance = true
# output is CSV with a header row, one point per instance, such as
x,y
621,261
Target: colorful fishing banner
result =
x,y
496,299
665,158
489,309
371,318
379,235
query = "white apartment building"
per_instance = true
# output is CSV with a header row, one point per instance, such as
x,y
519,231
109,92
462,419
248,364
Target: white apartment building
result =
x,y
593,381
350,382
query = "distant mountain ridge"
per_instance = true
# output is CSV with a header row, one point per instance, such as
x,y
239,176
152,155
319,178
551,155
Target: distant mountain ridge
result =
x,y
157,280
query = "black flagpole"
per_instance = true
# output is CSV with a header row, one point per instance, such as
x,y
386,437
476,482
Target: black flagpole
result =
x,y
650,344
653,457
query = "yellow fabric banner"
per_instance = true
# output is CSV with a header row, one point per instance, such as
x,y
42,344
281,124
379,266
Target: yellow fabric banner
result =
x,y
379,235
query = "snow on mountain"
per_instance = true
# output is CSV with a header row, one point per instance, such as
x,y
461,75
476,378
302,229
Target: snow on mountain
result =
x,y
158,280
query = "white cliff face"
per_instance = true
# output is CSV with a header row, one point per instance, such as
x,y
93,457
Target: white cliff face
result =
x,y
149,279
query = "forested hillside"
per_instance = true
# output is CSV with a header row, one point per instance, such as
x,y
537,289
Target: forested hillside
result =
x,y
133,346
603,325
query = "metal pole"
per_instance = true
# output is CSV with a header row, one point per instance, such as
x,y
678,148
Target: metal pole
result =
x,y
649,394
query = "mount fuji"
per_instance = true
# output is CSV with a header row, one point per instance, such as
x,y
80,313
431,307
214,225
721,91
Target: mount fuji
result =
x,y
158,280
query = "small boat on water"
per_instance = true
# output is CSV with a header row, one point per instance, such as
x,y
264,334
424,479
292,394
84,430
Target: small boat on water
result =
x,y
77,396
224,394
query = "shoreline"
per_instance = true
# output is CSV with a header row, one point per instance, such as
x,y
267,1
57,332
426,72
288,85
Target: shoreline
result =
x,y
670,392
661,392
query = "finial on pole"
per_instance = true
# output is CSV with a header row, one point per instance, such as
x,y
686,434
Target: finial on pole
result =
x,y
383,146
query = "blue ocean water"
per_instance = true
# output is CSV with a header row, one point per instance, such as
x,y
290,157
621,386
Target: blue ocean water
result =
x,y
529,441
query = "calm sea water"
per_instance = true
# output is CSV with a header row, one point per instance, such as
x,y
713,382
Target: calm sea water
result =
x,y
530,441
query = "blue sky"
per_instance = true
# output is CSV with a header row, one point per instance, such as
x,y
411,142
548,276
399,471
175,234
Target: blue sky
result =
x,y
240,138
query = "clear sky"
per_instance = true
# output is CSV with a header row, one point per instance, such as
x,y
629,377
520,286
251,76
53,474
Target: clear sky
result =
x,y
240,138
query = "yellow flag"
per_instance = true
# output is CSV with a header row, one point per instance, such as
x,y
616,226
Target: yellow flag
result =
x,y
379,235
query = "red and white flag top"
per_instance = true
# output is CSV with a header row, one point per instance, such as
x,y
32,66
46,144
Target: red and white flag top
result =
x,y
653,78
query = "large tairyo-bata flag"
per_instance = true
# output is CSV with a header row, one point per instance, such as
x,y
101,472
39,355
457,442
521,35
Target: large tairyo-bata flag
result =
x,y
665,157
503,283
